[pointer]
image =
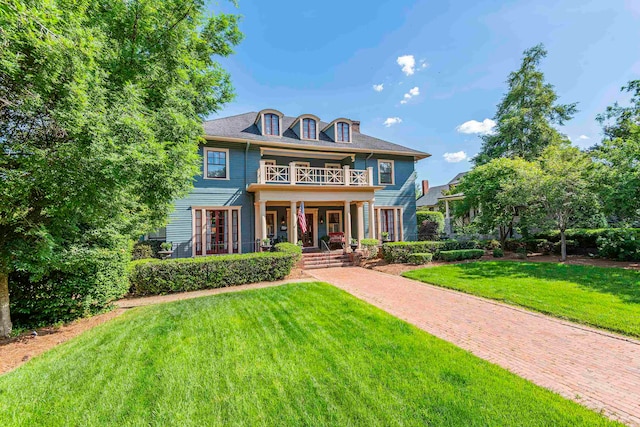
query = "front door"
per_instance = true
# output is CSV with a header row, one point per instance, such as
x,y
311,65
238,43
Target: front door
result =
x,y
307,238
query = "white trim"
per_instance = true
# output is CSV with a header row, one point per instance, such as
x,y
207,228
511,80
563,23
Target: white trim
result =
x,y
269,162
335,131
303,164
300,122
274,215
393,171
203,219
333,166
314,213
340,223
206,163
398,225
328,155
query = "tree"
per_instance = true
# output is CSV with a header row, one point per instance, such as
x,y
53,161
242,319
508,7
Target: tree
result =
x,y
101,108
618,158
526,114
499,192
563,193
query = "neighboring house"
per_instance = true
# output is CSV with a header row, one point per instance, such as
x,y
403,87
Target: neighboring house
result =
x,y
258,168
433,198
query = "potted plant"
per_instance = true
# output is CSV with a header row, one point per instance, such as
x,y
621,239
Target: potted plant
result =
x,y
266,245
166,249
354,244
385,236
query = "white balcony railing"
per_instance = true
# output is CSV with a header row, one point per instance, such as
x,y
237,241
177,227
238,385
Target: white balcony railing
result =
x,y
294,174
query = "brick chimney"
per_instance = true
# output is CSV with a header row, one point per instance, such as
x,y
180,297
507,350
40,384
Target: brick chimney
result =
x,y
355,124
425,186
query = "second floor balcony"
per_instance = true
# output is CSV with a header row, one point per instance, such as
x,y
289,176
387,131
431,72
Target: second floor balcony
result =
x,y
295,174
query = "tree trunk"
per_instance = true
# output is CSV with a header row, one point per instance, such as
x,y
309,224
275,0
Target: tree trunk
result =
x,y
5,318
503,236
563,246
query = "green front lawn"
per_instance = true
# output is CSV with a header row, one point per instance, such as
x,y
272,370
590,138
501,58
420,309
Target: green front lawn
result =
x,y
304,354
607,298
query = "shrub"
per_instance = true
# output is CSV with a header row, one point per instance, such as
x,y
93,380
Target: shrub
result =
x,y
490,244
370,247
289,248
620,244
521,252
586,238
83,282
145,249
461,254
419,258
430,225
498,253
399,251
149,277
469,244
450,245
572,245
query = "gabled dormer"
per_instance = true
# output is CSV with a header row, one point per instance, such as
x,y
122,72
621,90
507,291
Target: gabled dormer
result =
x,y
306,126
269,122
340,130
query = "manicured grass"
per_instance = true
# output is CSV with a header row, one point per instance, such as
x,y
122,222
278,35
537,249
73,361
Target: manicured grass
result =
x,y
607,298
304,354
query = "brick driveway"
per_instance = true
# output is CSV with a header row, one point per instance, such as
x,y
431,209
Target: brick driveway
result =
x,y
597,369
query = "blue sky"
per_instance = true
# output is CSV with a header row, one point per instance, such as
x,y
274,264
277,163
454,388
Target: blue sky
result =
x,y
325,57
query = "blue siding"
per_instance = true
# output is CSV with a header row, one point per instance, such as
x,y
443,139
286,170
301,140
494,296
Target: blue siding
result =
x,y
243,164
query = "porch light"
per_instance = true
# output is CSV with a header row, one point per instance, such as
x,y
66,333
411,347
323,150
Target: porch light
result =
x,y
321,220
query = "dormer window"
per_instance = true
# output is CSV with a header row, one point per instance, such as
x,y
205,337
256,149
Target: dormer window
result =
x,y
309,129
271,124
342,132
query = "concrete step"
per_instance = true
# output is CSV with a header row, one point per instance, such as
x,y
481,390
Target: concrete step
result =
x,y
317,266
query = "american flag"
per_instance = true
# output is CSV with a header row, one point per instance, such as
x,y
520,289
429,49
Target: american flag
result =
x,y
302,219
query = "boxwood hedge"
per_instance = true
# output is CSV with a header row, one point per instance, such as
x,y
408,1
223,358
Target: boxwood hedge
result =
x,y
460,254
397,252
149,277
420,258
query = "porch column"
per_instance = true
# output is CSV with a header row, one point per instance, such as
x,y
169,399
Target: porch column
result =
x,y
293,223
379,225
229,224
347,222
446,209
372,216
360,206
263,220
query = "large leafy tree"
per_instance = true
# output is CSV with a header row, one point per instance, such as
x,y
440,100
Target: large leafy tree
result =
x,y
101,107
499,191
563,191
526,115
618,158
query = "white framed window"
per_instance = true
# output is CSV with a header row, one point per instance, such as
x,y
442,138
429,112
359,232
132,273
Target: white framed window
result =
x,y
271,124
385,172
270,162
215,230
216,163
343,132
334,222
333,166
309,129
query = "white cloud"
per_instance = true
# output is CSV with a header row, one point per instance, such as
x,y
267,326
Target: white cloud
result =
x,y
408,64
378,88
392,121
412,92
423,64
583,137
473,126
455,157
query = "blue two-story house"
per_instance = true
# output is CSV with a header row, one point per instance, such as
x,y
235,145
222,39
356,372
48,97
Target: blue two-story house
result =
x,y
260,168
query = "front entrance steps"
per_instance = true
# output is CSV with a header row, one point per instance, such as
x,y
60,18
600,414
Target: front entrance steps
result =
x,y
312,260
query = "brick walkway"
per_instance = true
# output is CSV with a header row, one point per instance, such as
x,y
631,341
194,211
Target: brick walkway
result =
x,y
595,368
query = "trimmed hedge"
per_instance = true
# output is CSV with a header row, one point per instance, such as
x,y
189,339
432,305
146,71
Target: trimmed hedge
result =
x,y
461,254
620,244
84,281
585,237
370,247
289,248
420,258
398,252
151,277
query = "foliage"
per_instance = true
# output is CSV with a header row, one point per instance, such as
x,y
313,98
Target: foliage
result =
x,y
101,118
606,298
571,246
420,258
195,362
151,277
370,247
460,254
526,115
563,191
83,282
430,225
499,191
145,249
498,253
289,248
398,252
620,244
585,237
618,157
490,244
